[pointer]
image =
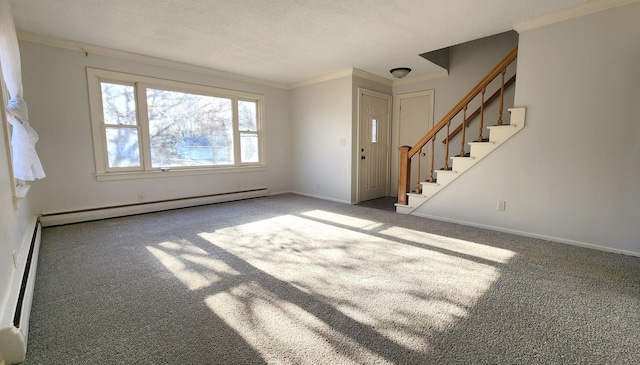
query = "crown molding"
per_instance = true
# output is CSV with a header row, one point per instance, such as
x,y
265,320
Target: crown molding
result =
x,y
340,74
134,57
590,7
323,78
372,77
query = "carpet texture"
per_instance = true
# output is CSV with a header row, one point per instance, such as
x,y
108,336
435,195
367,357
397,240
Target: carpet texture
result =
x,y
294,280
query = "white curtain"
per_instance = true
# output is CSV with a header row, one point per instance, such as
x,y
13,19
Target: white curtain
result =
x,y
26,164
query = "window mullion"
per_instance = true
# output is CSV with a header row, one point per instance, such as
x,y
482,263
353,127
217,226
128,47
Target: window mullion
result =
x,y
236,132
143,125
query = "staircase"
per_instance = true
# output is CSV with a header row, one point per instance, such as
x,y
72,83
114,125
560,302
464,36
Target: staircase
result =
x,y
480,147
498,134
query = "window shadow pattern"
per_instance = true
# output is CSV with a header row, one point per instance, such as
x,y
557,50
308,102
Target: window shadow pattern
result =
x,y
295,280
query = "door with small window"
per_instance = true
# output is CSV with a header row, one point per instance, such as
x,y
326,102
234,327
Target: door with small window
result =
x,y
373,145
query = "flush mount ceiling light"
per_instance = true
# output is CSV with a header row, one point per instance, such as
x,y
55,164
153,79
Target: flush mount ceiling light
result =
x,y
400,72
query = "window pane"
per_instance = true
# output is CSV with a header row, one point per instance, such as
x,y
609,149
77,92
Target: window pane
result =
x,y
118,104
122,147
247,115
249,147
374,130
189,129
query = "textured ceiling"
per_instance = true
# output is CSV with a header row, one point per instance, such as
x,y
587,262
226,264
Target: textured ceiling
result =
x,y
284,41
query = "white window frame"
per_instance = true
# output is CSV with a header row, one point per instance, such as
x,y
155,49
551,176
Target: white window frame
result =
x,y
141,83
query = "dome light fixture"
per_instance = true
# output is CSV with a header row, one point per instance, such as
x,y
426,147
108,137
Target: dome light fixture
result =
x,y
400,72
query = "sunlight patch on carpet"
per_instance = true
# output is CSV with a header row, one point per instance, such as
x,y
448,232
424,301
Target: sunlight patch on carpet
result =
x,y
190,264
342,219
408,286
277,329
495,254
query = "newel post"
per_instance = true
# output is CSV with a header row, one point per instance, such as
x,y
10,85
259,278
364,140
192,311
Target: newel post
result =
x,y
404,174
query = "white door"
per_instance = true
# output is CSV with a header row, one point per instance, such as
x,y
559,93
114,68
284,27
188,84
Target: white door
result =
x,y
415,120
373,144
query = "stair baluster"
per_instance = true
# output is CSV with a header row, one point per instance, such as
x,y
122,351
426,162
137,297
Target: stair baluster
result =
x,y
433,144
484,89
446,148
418,186
464,128
504,70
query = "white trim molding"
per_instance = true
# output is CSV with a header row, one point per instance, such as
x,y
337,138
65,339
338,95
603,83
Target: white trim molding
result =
x,y
340,74
590,7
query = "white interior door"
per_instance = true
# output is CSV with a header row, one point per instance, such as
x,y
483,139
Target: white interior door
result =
x,y
415,120
373,144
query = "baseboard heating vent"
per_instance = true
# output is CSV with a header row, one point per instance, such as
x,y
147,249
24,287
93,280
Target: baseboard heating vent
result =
x,y
85,215
14,323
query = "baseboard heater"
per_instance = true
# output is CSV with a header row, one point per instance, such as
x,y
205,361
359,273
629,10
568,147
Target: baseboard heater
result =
x,y
14,324
85,215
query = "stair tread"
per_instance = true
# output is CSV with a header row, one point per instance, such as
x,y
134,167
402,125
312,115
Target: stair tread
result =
x,y
503,125
463,157
449,171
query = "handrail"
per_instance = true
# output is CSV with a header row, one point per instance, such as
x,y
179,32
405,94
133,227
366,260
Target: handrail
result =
x,y
466,100
477,111
407,152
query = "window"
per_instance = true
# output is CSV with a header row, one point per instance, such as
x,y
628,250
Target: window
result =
x,y
144,126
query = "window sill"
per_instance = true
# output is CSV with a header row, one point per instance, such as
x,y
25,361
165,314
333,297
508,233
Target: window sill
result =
x,y
111,176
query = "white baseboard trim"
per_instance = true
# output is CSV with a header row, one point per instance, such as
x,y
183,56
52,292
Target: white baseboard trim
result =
x,y
531,235
55,219
321,197
279,193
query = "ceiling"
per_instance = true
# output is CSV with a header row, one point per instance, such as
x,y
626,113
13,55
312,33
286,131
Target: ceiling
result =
x,y
284,41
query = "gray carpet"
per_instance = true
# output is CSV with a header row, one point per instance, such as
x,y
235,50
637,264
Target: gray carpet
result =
x,y
295,280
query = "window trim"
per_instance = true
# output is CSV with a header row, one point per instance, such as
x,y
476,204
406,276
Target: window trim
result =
x,y
141,83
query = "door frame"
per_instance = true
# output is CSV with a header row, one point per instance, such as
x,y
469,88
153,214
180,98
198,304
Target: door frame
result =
x,y
389,98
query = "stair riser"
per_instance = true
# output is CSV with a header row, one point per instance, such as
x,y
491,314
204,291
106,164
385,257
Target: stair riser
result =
x,y
461,165
445,178
501,133
480,150
429,189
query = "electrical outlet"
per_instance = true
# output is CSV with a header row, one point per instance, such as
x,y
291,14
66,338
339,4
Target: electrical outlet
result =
x,y
317,186
15,260
501,205
140,198
343,142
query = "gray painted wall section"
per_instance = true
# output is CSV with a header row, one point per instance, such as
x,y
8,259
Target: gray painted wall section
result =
x,y
573,173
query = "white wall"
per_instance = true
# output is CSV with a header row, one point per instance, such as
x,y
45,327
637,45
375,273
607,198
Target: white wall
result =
x,y
56,88
321,115
14,224
573,173
468,64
